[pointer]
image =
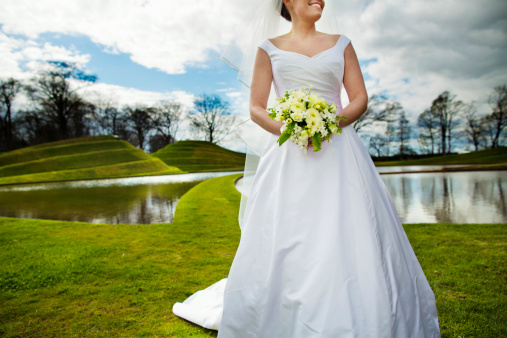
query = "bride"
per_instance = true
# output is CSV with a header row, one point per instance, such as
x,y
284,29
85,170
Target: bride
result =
x,y
322,251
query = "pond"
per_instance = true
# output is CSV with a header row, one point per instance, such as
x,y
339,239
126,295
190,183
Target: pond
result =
x,y
135,200
457,197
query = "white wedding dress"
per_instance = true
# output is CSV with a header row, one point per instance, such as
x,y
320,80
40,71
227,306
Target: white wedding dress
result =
x,y
322,250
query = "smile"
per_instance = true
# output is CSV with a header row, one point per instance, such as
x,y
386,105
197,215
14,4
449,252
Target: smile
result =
x,y
316,4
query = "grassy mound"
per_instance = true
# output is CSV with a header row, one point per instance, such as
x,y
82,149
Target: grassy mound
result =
x,y
68,279
81,158
489,158
195,156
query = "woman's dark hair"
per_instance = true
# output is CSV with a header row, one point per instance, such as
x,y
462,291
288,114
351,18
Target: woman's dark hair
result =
x,y
285,13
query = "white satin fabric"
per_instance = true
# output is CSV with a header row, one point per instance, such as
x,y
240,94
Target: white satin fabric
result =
x,y
322,250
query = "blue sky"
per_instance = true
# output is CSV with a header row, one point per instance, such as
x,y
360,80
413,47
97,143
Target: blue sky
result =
x,y
119,69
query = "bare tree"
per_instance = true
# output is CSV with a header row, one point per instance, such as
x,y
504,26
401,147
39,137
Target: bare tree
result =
x,y
497,121
474,126
380,109
379,144
8,91
140,121
403,134
447,109
167,119
212,117
107,115
428,135
384,142
52,91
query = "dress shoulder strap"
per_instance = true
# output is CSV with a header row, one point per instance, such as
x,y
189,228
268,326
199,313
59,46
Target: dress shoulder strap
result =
x,y
267,46
343,42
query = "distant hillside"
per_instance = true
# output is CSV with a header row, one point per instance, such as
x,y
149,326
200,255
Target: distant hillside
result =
x,y
195,156
80,158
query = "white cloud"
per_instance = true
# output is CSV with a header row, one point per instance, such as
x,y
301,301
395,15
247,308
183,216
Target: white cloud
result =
x,y
21,58
123,96
422,48
163,34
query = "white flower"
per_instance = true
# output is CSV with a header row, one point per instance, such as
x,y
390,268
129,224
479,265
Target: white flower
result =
x,y
313,113
334,128
297,116
313,99
297,107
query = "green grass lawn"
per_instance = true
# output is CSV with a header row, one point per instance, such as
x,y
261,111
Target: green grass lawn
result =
x,y
196,156
64,279
81,158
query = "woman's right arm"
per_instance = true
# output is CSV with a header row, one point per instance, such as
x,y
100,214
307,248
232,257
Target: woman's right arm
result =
x,y
259,93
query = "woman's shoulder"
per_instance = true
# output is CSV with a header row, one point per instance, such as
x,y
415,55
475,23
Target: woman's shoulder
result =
x,y
278,39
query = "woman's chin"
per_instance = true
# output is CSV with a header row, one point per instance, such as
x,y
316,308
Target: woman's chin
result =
x,y
315,15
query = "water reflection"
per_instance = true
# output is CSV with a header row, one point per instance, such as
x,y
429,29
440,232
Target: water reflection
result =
x,y
460,197
142,200
413,168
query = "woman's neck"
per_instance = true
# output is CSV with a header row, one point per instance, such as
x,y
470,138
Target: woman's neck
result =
x,y
302,30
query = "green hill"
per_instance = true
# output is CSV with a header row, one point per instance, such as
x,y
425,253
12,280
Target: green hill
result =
x,y
195,156
81,158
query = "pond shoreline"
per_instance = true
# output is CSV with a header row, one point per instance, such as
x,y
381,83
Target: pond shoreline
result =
x,y
113,178
465,167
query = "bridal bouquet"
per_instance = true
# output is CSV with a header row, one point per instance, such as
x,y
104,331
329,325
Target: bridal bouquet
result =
x,y
305,115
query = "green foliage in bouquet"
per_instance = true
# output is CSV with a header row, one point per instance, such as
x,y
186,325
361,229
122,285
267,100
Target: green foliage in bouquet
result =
x,y
305,115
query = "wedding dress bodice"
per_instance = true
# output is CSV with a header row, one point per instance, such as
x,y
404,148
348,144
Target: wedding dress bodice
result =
x,y
323,71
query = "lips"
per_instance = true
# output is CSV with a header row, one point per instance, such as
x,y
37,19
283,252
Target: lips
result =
x,y
316,4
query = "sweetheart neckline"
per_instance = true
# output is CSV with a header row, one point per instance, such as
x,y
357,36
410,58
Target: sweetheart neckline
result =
x,y
309,57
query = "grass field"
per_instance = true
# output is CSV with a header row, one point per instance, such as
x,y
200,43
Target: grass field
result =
x,y
64,279
82,158
195,156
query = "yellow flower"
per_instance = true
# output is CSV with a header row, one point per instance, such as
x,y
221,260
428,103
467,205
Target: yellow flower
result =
x,y
297,107
313,113
297,116
313,99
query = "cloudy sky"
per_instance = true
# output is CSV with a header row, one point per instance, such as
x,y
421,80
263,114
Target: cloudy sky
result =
x,y
144,51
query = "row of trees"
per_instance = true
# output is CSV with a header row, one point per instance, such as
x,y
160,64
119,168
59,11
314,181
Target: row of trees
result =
x,y
56,111
447,122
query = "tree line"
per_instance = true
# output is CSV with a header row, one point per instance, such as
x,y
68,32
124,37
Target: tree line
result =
x,y
439,128
56,111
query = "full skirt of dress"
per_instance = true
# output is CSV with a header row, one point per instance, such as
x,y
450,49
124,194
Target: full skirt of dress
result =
x,y
322,253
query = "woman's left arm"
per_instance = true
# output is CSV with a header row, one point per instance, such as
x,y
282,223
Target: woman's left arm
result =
x,y
353,83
